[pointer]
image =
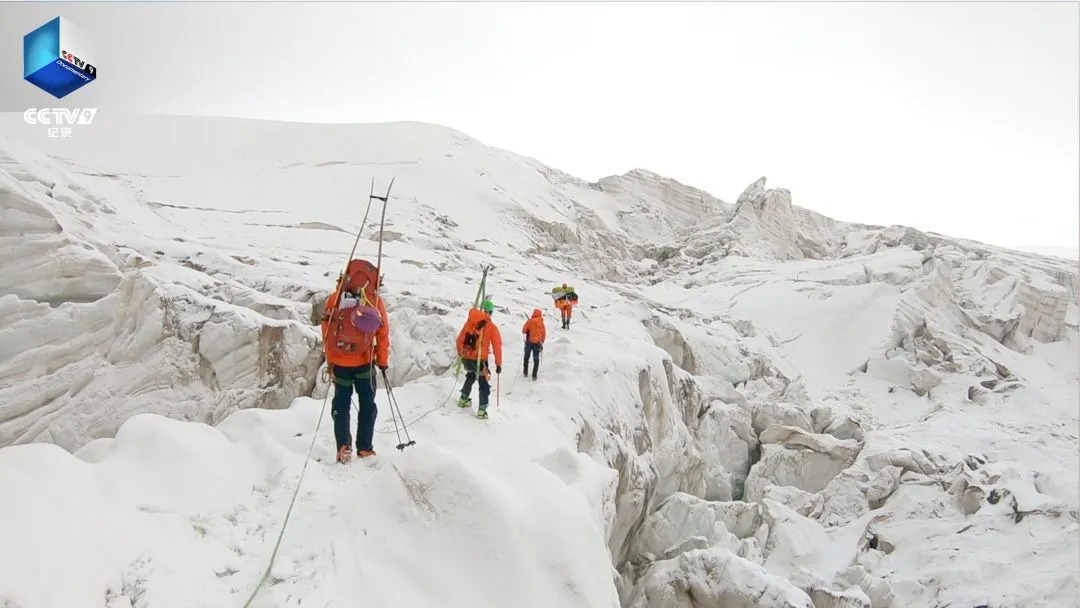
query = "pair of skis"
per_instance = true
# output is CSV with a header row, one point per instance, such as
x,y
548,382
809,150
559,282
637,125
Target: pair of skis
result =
x,y
385,198
395,409
481,295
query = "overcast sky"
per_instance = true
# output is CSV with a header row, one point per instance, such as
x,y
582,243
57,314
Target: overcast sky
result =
x,y
959,118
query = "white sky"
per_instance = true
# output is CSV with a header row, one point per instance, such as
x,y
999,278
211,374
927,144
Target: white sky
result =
x,y
958,118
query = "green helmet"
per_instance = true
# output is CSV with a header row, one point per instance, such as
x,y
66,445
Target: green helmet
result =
x,y
488,306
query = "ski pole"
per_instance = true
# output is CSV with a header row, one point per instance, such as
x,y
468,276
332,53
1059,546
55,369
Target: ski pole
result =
x,y
393,417
394,406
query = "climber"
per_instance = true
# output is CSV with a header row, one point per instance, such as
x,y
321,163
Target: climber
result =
x,y
535,334
356,337
565,300
477,338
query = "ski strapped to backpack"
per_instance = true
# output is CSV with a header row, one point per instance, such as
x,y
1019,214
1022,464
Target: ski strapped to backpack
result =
x,y
353,316
395,409
332,306
481,294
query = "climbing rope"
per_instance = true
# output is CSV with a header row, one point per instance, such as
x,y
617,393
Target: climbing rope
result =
x,y
292,501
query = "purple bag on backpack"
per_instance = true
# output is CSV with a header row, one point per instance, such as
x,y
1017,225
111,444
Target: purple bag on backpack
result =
x,y
366,319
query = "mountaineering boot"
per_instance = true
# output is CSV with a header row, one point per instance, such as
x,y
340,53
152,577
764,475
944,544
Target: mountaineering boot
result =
x,y
365,453
482,413
464,402
534,376
344,454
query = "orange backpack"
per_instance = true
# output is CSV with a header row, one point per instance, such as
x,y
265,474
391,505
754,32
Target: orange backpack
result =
x,y
354,317
474,327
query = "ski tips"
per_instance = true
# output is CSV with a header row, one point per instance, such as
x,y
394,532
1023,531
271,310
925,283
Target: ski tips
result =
x,y
385,197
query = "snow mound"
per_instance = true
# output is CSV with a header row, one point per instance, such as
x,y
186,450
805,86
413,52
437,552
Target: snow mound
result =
x,y
178,514
754,406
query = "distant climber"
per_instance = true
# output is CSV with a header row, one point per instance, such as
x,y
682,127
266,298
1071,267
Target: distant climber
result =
x,y
477,338
356,337
565,300
535,334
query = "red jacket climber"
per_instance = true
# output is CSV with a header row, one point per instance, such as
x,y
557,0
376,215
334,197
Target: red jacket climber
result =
x,y
535,334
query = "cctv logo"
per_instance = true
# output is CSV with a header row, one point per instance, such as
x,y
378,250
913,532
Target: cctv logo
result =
x,y
55,58
86,68
59,116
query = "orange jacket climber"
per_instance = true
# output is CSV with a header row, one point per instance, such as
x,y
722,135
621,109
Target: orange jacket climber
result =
x,y
534,330
479,337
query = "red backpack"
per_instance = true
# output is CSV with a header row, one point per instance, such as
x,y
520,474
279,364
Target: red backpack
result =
x,y
355,316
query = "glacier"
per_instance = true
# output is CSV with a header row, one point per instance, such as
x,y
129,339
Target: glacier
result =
x,y
756,405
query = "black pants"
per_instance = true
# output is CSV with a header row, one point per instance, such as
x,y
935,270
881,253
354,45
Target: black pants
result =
x,y
534,350
472,372
363,380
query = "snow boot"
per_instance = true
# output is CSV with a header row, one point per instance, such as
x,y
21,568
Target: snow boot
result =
x,y
464,402
365,453
344,454
482,413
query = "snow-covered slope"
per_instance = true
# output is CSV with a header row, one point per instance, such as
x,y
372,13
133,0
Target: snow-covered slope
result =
x,y
1068,253
755,406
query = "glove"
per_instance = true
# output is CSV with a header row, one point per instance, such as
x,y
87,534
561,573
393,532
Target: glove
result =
x,y
383,366
541,346
498,369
